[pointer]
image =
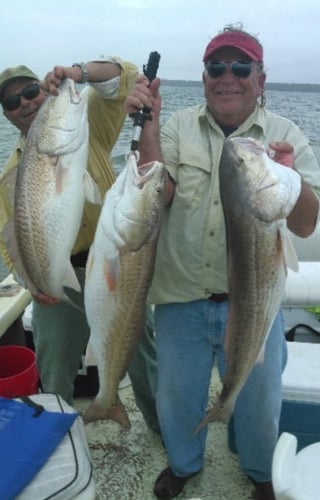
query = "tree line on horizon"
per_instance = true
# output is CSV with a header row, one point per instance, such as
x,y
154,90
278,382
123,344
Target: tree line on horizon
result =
x,y
293,87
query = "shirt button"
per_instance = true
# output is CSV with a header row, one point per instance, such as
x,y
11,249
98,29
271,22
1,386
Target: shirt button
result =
x,y
207,264
211,233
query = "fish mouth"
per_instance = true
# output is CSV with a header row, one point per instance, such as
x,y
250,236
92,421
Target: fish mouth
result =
x,y
54,127
255,146
74,95
263,188
142,173
138,178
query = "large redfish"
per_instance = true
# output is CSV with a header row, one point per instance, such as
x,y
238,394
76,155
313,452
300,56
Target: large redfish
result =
x,y
118,275
50,189
257,195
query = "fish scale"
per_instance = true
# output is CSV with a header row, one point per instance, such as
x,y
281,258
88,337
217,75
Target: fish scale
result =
x,y
29,198
136,269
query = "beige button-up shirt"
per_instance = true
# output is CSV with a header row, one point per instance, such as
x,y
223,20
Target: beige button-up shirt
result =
x,y
191,254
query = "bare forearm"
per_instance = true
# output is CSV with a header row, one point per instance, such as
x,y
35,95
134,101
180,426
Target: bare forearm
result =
x,y
303,217
150,150
147,95
94,72
99,71
149,146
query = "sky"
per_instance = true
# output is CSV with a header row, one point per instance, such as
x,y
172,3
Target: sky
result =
x,y
42,34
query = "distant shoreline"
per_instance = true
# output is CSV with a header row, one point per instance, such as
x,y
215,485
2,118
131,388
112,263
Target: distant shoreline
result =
x,y
288,87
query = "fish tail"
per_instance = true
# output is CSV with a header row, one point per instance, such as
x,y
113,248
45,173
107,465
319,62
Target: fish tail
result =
x,y
218,413
98,411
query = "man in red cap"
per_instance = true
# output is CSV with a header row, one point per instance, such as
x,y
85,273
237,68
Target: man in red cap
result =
x,y
190,289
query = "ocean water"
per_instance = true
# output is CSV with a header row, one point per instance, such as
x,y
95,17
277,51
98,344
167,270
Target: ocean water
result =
x,y
303,108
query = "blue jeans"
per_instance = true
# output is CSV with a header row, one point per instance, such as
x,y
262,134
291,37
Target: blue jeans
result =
x,y
189,339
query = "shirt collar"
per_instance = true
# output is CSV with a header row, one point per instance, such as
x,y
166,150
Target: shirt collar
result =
x,y
256,119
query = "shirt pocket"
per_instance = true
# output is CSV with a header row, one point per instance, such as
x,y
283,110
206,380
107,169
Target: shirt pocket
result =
x,y
193,179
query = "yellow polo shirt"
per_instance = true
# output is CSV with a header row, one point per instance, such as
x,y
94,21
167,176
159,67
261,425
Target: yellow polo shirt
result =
x,y
191,253
106,114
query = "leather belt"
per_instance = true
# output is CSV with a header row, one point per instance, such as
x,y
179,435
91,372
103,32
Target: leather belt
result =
x,y
218,297
79,259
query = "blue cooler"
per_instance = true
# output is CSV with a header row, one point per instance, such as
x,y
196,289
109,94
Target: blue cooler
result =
x,y
300,414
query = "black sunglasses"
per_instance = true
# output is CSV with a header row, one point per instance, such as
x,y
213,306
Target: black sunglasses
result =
x,y
239,69
29,92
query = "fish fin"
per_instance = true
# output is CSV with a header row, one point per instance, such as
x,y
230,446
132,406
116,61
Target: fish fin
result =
x,y
62,175
98,411
219,412
70,278
9,180
8,235
90,262
289,252
260,358
69,301
111,269
7,232
91,189
9,290
19,273
89,359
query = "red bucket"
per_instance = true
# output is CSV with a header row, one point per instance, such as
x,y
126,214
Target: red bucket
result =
x,y
18,372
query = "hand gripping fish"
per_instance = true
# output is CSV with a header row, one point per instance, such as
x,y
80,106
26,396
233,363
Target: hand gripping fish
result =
x,y
257,195
118,275
51,184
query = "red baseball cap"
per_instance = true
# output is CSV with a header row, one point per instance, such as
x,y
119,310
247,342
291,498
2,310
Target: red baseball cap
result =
x,y
237,39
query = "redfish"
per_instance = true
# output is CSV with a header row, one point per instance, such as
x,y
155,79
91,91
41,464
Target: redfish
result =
x,y
118,276
257,195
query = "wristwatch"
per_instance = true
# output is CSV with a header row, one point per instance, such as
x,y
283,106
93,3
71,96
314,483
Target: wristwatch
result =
x,y
84,71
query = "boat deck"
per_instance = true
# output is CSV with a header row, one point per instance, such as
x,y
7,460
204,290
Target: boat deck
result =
x,y
127,462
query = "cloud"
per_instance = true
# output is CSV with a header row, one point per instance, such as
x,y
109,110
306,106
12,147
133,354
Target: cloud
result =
x,y
45,34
